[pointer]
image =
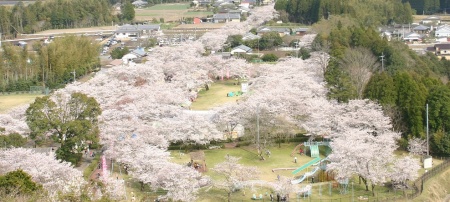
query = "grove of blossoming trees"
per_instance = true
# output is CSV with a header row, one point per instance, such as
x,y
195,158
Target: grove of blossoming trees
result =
x,y
55,176
145,107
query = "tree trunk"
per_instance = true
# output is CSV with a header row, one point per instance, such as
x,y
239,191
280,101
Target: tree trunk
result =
x,y
365,183
229,196
373,190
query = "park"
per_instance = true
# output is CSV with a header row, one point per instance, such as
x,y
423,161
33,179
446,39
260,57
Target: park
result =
x,y
191,125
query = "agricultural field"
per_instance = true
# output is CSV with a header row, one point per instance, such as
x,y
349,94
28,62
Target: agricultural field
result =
x,y
170,12
8,102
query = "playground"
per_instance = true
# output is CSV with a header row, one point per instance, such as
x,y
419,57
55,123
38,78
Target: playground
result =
x,y
324,187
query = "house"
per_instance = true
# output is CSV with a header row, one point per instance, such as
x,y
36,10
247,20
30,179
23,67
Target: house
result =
x,y
127,58
442,50
412,37
282,31
226,17
128,31
241,49
443,31
300,31
250,36
435,20
139,52
421,29
197,20
139,4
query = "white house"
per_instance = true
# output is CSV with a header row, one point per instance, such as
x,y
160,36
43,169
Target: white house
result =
x,y
250,36
139,4
443,31
129,58
412,37
127,31
241,49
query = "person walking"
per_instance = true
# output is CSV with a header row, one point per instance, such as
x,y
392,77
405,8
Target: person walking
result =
x,y
295,159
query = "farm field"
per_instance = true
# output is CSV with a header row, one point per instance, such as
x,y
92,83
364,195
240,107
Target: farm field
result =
x,y
170,12
8,102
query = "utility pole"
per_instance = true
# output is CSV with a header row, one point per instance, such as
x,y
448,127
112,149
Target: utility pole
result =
x,y
428,145
382,62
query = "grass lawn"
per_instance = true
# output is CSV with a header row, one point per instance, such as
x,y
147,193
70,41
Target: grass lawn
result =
x,y
168,7
14,100
216,95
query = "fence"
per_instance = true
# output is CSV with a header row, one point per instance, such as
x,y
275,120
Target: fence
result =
x,y
418,184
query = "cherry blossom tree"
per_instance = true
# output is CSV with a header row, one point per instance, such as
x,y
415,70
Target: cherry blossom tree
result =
x,y
404,169
417,146
14,121
363,143
233,175
55,176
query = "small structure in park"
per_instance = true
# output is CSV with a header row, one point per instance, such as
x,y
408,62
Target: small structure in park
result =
x,y
198,161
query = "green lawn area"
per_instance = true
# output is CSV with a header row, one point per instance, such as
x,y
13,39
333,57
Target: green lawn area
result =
x,y
10,101
169,7
216,95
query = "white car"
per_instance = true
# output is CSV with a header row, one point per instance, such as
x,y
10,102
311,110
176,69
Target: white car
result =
x,y
133,39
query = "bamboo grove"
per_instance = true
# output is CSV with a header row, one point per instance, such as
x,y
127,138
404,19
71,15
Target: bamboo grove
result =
x,y
50,66
53,14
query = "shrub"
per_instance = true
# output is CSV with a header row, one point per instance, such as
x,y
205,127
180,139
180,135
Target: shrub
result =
x,y
269,57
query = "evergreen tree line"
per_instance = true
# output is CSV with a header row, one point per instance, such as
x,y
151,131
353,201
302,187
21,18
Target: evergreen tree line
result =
x,y
368,12
54,14
428,7
50,66
403,84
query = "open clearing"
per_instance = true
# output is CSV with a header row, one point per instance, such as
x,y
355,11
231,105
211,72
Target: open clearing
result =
x,y
170,12
216,95
8,102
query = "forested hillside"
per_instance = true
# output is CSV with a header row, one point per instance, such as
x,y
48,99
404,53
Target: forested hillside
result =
x,y
54,14
369,12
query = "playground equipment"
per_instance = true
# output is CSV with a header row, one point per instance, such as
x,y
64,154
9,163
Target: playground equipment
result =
x,y
297,148
316,162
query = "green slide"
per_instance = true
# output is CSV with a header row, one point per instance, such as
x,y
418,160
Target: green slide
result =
x,y
314,161
314,151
